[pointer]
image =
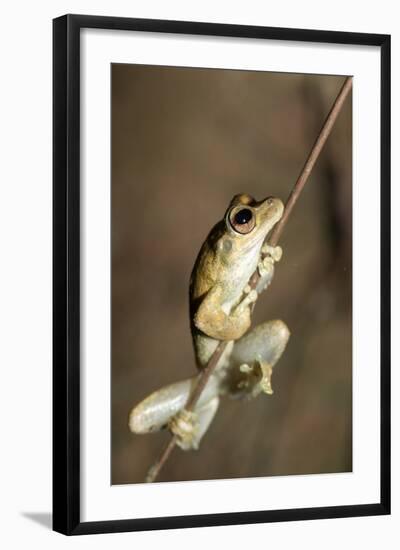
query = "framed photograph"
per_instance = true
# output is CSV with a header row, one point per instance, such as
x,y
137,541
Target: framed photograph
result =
x,y
221,274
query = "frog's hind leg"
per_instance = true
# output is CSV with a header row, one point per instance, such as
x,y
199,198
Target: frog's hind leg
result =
x,y
267,340
254,356
166,408
155,411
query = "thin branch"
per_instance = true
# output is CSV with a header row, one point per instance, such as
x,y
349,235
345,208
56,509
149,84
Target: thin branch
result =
x,y
312,157
273,241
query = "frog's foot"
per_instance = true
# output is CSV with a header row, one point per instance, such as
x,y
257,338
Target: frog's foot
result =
x,y
265,269
246,382
189,427
184,426
273,252
256,379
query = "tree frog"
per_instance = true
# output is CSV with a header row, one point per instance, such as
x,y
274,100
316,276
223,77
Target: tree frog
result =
x,y
221,304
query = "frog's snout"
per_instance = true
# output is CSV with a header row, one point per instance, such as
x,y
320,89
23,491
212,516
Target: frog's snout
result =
x,y
273,208
275,204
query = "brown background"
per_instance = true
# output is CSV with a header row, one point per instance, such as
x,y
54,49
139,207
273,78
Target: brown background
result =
x,y
183,142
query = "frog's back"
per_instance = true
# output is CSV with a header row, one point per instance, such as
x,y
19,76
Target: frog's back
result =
x,y
205,270
203,277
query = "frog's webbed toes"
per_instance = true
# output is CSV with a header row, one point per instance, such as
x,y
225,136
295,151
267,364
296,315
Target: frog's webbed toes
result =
x,y
265,268
189,427
184,426
254,379
273,252
244,382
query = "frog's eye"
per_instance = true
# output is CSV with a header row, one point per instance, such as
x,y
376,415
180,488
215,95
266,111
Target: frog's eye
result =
x,y
242,220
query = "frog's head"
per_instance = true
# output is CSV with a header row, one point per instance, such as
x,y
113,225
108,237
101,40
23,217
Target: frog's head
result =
x,y
249,221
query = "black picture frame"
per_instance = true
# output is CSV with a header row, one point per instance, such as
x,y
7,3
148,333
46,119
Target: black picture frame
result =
x,y
66,273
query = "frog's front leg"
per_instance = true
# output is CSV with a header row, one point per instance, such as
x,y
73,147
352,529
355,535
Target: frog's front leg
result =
x,y
253,358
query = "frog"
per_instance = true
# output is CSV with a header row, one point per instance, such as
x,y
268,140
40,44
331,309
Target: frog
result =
x,y
221,303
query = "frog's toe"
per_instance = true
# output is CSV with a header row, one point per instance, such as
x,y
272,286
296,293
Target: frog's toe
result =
x,y
183,425
273,252
190,427
245,368
265,373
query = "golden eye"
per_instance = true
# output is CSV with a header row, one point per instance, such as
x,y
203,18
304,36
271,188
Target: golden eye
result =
x,y
242,220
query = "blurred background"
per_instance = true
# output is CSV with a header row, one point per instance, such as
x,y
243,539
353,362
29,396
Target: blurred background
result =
x,y
184,141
